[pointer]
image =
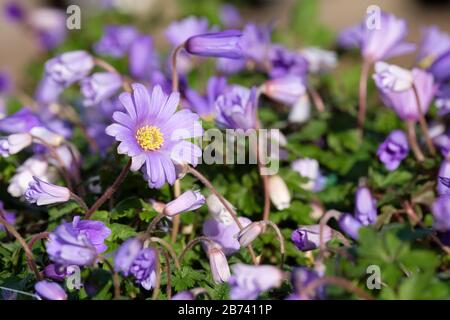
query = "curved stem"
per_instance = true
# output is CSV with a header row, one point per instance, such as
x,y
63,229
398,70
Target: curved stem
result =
x,y
177,219
423,122
115,277
169,249
110,191
174,67
229,209
153,224
280,239
37,237
315,96
412,138
193,243
265,180
341,282
80,201
30,259
169,276
158,277
323,222
363,95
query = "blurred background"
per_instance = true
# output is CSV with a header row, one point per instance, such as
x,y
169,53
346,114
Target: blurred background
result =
x,y
18,48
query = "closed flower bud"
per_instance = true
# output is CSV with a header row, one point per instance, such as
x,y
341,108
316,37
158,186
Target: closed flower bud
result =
x,y
188,201
225,44
55,272
366,207
309,168
44,135
218,263
350,225
43,193
307,238
19,141
50,290
100,86
393,77
69,67
441,213
287,90
250,233
279,193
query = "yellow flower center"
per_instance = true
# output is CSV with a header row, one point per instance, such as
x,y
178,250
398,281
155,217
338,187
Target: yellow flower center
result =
x,y
149,138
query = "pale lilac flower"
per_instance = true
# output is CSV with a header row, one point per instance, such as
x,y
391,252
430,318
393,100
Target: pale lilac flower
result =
x,y
285,62
301,110
378,41
50,290
116,40
49,25
21,121
9,216
230,16
69,67
350,225
301,277
319,60
440,68
188,201
307,238
256,43
434,43
126,254
404,103
365,206
393,150
78,242
34,166
143,58
151,132
179,31
393,77
250,233
279,192
43,193
442,142
248,282
218,262
143,268
288,89
204,105
16,142
224,233
100,86
236,108
218,211
224,44
309,168
441,213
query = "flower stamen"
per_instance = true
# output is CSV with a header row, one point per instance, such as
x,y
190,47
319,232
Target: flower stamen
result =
x,y
149,138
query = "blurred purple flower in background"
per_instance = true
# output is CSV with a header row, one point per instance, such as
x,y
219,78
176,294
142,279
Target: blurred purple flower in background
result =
x,y
365,206
286,62
116,40
433,45
125,255
21,121
443,183
9,216
204,105
256,43
309,168
78,242
350,225
179,31
5,83
100,86
393,150
14,11
248,282
143,58
307,238
143,268
287,90
441,213
236,108
301,277
230,16
50,290
153,133
49,26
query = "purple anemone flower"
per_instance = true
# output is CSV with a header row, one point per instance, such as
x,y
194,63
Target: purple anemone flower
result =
x,y
143,58
50,290
125,255
43,193
188,201
100,86
152,133
307,238
434,43
378,41
236,108
116,40
224,44
204,105
393,150
21,121
179,31
404,102
441,68
224,233
441,213
78,242
143,268
285,62
69,67
248,282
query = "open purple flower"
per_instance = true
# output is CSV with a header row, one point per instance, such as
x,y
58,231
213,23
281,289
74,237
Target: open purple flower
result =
x,y
43,193
100,86
224,44
143,268
393,150
204,105
50,290
78,242
440,68
69,67
236,108
307,238
285,62
152,133
143,58
116,40
248,282
404,102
